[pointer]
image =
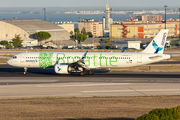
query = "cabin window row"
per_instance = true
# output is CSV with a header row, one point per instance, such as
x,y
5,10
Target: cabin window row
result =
x,y
115,58
78,57
38,57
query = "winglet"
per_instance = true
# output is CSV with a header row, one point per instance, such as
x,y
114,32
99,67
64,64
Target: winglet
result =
x,y
123,50
84,56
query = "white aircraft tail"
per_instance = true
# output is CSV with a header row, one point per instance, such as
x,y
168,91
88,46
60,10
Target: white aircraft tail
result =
x,y
158,43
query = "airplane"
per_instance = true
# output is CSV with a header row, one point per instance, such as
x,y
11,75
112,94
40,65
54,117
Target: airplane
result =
x,y
78,62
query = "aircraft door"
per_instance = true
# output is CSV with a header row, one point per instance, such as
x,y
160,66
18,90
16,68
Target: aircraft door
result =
x,y
139,58
22,59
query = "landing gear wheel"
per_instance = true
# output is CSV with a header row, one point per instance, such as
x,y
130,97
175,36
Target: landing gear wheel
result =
x,y
82,73
90,72
25,71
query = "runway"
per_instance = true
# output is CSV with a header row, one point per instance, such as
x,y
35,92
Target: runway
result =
x,y
44,82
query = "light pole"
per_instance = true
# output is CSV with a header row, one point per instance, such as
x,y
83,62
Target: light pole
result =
x,y
147,27
80,27
179,23
44,14
153,27
55,37
76,39
165,15
93,35
119,33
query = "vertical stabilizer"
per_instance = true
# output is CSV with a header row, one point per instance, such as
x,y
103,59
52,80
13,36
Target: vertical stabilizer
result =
x,y
158,43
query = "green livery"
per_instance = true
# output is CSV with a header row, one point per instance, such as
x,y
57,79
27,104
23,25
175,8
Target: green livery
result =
x,y
45,59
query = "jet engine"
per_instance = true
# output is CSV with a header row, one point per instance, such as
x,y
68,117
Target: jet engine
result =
x,y
62,69
65,68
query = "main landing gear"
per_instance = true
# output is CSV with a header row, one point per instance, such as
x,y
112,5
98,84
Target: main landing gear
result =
x,y
90,72
25,70
82,73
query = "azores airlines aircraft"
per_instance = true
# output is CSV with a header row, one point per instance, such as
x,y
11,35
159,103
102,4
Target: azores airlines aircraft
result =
x,y
77,62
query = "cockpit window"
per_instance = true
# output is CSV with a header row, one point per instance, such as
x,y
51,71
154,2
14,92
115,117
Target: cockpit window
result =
x,y
14,57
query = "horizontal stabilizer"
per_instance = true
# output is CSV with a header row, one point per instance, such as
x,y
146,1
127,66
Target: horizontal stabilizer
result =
x,y
155,57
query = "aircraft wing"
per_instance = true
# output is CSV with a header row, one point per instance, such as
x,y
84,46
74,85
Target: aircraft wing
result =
x,y
80,62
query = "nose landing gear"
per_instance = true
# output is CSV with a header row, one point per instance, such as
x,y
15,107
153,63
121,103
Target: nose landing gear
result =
x,y
25,70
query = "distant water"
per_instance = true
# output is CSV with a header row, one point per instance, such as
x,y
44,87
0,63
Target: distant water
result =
x,y
70,17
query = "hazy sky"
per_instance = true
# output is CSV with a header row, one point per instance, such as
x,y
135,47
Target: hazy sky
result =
x,y
76,3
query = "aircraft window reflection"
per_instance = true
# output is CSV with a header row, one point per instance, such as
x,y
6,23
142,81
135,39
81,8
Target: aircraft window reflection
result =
x,y
14,57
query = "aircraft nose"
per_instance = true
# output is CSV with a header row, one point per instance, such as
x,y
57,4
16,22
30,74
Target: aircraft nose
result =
x,y
9,62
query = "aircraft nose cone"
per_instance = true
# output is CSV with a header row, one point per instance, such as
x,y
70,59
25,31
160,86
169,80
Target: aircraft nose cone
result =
x,y
9,62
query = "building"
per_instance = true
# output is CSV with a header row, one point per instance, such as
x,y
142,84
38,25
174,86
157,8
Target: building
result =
x,y
27,27
95,27
127,44
149,18
174,21
117,43
140,30
96,41
25,42
108,19
69,26
50,43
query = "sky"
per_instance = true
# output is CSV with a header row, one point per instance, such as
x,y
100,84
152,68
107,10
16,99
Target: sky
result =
x,y
89,3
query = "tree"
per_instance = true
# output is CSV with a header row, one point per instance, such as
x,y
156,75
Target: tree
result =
x,y
71,32
76,30
42,35
9,46
4,43
89,34
17,42
79,36
108,42
83,31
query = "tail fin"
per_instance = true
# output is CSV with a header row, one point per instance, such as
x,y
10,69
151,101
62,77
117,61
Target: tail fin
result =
x,y
158,43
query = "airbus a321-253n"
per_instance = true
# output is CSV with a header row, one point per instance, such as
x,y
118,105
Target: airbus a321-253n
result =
x,y
78,62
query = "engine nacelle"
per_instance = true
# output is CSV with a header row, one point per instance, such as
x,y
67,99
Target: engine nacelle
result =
x,y
61,69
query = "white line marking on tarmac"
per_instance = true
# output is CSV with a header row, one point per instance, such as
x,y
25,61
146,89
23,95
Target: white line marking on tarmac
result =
x,y
150,90
82,85
25,81
104,84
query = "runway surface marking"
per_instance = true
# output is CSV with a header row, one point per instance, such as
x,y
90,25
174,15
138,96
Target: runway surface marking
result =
x,y
105,84
150,90
82,89
25,81
79,85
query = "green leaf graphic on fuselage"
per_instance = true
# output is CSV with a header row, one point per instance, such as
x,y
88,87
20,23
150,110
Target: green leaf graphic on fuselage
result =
x,y
45,59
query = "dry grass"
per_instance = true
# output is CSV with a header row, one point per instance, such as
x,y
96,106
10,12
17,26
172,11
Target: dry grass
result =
x,y
175,58
7,55
82,50
165,68
3,60
83,108
67,50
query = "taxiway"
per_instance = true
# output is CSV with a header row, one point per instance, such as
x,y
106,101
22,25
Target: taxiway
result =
x,y
44,82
